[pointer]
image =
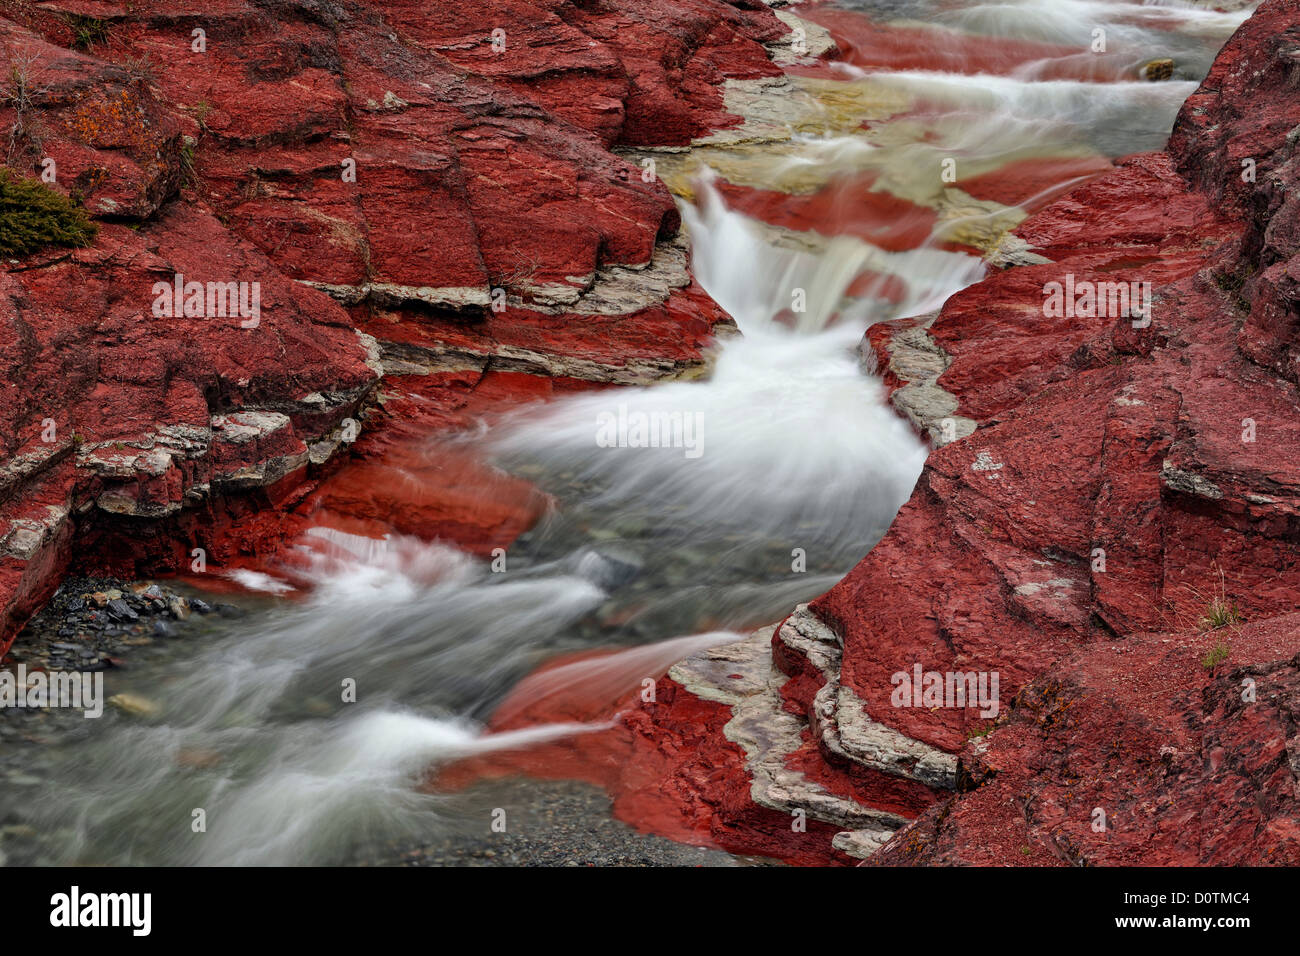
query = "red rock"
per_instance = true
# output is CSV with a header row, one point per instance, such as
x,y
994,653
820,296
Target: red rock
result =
x,y
872,45
135,406
1032,184
669,769
114,142
633,73
479,171
1185,771
407,484
846,206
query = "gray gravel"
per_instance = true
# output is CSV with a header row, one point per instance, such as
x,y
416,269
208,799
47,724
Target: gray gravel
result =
x,y
549,823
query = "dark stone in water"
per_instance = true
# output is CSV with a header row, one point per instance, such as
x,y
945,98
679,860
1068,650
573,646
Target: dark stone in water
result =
x,y
121,610
201,606
609,569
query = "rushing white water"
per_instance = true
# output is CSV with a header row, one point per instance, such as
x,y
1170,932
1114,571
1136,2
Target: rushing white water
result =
x,y
993,120
328,788
276,781
752,271
1074,22
1061,104
791,429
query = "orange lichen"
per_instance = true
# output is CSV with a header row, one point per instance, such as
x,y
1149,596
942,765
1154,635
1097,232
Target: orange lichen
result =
x,y
113,121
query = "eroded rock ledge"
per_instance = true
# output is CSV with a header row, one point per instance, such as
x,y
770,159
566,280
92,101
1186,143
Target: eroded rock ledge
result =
x,y
771,721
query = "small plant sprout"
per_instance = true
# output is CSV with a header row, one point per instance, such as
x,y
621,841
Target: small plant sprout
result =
x,y
20,87
1216,656
1219,611
88,32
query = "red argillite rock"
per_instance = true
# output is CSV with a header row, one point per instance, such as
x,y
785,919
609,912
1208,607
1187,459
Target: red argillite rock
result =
x,y
420,190
1109,524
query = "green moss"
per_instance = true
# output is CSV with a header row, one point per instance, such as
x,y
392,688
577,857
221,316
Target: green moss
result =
x,y
33,216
